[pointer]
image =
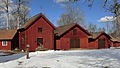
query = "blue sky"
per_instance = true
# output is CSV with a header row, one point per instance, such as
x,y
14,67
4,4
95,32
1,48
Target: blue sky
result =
x,y
53,10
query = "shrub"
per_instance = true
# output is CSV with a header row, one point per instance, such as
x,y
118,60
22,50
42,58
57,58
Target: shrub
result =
x,y
16,50
41,49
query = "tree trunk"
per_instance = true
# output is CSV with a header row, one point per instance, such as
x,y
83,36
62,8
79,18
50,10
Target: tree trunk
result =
x,y
7,21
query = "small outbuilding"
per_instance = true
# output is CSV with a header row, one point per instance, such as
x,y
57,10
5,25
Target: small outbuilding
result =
x,y
116,42
8,39
71,36
100,40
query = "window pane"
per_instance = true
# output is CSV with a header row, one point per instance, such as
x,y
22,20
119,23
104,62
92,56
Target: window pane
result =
x,y
39,29
74,32
4,43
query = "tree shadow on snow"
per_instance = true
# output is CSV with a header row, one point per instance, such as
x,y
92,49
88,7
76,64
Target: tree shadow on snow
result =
x,y
6,58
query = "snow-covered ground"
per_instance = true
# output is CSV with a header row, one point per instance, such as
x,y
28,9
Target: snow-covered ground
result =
x,y
67,59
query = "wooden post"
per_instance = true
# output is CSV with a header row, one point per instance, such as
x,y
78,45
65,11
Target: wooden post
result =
x,y
27,50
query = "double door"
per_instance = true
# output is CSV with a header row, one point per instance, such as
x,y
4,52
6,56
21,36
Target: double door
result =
x,y
74,43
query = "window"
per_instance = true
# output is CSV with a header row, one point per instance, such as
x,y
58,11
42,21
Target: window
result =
x,y
74,32
4,43
39,29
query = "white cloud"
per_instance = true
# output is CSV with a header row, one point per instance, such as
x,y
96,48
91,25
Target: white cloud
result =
x,y
61,1
65,1
107,19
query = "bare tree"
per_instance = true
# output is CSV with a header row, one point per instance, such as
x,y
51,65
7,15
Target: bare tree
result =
x,y
6,8
101,29
71,15
14,12
114,8
92,28
117,21
21,14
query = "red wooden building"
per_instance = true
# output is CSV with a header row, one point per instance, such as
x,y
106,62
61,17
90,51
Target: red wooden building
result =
x,y
37,32
100,40
8,39
71,36
116,42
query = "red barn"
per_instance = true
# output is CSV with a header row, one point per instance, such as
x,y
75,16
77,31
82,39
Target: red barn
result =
x,y
100,40
37,32
8,39
71,36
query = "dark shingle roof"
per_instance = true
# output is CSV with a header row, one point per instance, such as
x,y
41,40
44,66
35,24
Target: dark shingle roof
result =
x,y
98,34
114,39
7,34
34,18
62,29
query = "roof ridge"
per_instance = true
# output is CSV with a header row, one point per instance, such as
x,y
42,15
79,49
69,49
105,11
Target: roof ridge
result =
x,y
66,25
62,29
34,18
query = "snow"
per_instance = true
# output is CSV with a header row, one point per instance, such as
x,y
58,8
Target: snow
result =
x,y
66,59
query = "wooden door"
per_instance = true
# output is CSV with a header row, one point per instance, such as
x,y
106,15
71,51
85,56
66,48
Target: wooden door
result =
x,y
74,43
40,42
77,41
101,43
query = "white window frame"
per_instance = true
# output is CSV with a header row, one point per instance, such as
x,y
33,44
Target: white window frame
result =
x,y
4,43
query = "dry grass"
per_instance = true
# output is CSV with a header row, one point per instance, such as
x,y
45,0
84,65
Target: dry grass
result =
x,y
81,49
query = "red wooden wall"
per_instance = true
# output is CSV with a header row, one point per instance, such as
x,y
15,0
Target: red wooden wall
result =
x,y
31,34
94,44
7,47
116,44
11,44
64,41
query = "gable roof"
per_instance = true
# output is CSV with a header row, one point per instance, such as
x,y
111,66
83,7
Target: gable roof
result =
x,y
62,29
34,18
98,34
115,39
7,34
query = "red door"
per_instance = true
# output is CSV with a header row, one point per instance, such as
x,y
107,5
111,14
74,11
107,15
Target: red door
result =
x,y
101,43
74,43
40,42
